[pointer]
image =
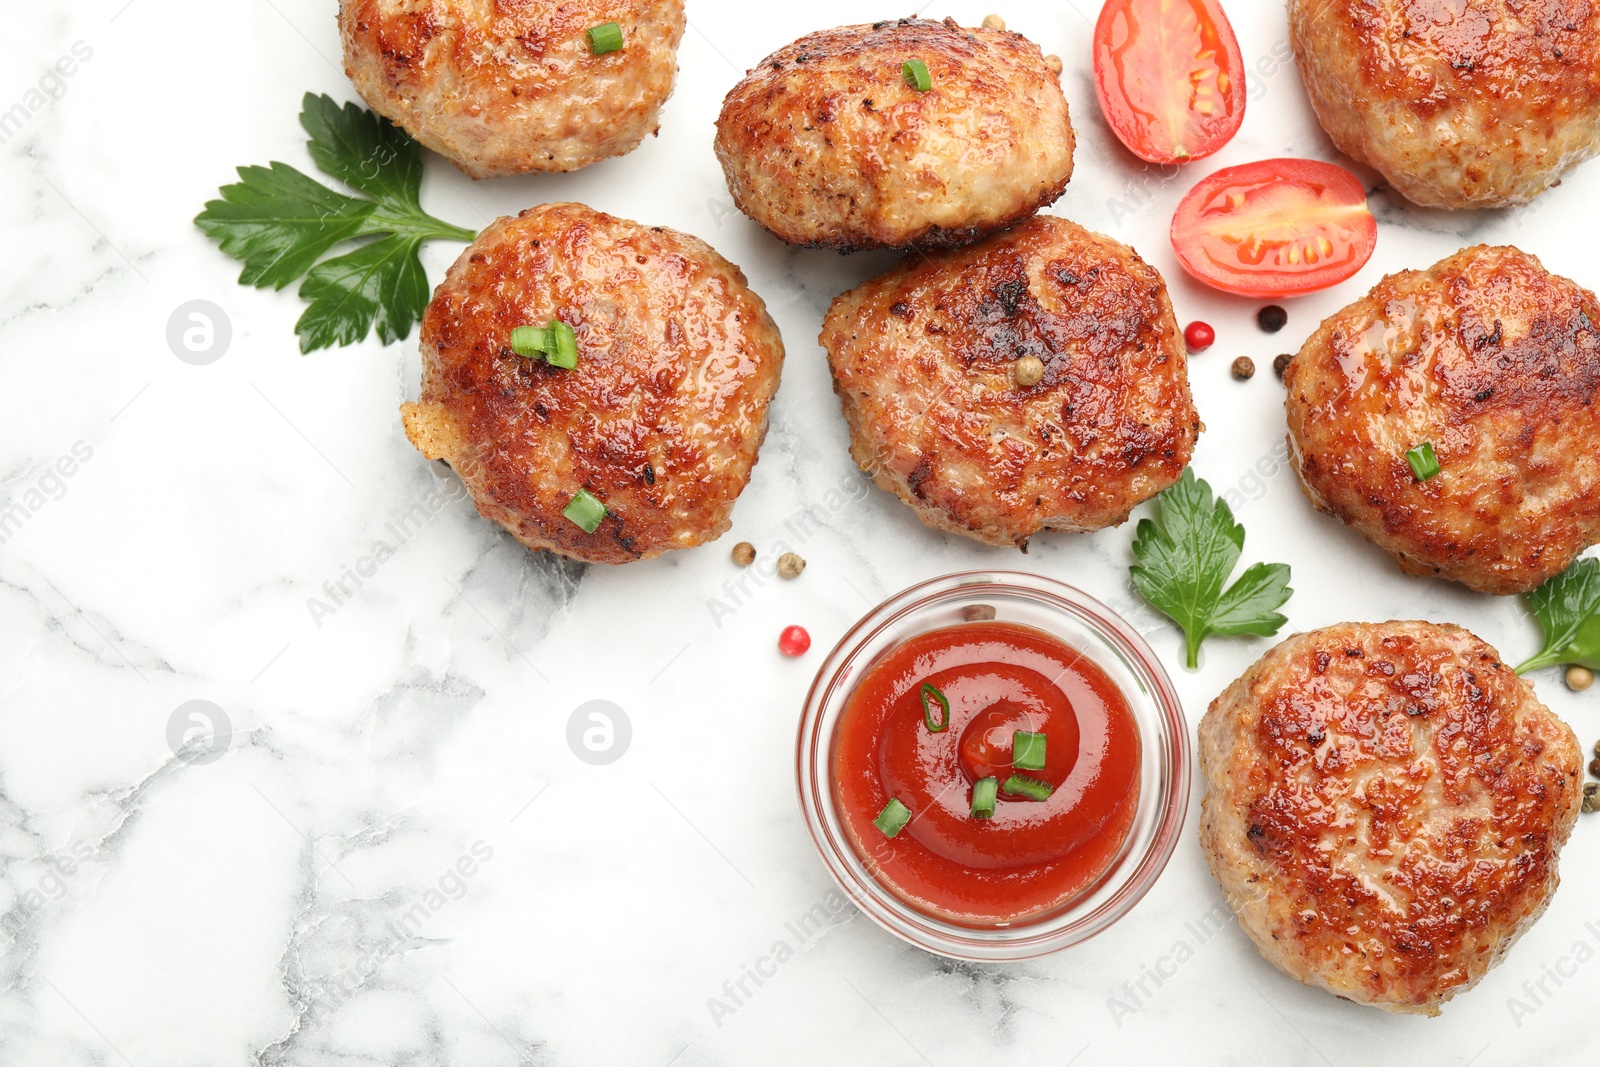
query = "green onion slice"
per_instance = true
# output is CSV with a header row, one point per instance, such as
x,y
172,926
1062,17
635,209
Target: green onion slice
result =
x,y
940,725
1424,464
916,75
585,511
893,818
606,37
983,794
1027,750
529,341
1020,785
563,348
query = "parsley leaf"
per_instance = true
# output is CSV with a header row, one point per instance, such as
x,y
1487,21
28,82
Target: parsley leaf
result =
x,y
367,153
1568,610
1184,557
280,224
380,285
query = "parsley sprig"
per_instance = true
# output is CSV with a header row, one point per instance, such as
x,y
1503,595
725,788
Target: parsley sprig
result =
x,y
1568,610
280,224
1184,557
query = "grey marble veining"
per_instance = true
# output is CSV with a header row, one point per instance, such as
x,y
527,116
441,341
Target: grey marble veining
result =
x,y
373,844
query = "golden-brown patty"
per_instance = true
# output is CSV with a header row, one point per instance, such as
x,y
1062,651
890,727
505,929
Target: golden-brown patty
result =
x,y
1459,103
1384,808
660,420
508,86
825,143
923,357
1496,363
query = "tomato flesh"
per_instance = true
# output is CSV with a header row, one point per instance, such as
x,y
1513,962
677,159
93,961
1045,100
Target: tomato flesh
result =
x,y
1277,227
1169,77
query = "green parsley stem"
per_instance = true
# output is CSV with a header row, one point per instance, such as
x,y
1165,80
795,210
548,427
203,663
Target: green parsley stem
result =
x,y
419,224
1548,658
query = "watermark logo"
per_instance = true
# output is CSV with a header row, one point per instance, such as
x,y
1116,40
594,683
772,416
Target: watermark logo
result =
x,y
49,888
343,587
198,732
800,527
1253,485
1266,68
199,332
719,209
50,486
799,934
1141,190
598,732
1537,992
329,995
51,86
1136,993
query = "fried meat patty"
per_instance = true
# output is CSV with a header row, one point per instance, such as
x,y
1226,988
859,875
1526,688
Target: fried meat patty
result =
x,y
509,86
1384,808
1459,103
660,420
1495,363
826,143
923,357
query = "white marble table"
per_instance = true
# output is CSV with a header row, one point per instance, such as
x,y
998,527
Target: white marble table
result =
x,y
394,857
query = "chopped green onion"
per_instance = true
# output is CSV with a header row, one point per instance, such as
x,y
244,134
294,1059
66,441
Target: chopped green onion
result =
x,y
563,345
893,818
940,725
916,75
1020,785
606,37
555,341
585,511
983,794
1027,750
1424,464
528,341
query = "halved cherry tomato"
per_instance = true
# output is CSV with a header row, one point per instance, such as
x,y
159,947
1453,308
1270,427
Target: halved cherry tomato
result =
x,y
1275,228
1169,77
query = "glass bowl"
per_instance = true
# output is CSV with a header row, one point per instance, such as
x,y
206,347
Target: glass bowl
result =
x,y
1088,626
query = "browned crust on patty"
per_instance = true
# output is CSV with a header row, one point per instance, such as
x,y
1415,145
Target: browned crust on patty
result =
x,y
1384,808
1496,362
664,414
1478,103
509,86
922,360
825,144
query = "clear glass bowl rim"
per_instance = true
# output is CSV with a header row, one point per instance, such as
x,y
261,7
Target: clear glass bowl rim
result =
x,y
813,762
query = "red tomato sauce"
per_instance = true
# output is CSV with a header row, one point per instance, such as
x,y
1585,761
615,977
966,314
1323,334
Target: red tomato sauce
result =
x,y
1032,856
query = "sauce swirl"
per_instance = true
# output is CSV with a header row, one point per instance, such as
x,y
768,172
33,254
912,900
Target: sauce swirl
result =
x,y
1000,678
